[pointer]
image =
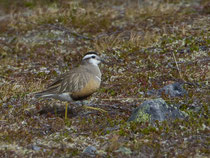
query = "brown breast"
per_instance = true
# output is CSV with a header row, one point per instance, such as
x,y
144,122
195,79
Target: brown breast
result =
x,y
91,86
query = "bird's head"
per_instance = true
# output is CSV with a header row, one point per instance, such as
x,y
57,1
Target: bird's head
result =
x,y
92,58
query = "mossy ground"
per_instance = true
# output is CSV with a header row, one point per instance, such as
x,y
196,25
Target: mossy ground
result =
x,y
150,44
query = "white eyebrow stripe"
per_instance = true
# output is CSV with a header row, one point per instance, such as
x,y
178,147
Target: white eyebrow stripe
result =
x,y
88,56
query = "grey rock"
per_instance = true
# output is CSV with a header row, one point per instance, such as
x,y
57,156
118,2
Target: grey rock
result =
x,y
90,150
172,90
155,109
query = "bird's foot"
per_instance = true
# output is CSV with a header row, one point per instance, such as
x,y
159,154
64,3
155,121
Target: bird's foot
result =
x,y
66,111
93,108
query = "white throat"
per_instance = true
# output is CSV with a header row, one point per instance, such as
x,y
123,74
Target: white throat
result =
x,y
94,62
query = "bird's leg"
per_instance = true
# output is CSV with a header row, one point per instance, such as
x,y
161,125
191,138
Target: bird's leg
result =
x,y
92,108
66,111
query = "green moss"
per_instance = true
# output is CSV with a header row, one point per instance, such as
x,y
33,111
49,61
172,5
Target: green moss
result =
x,y
143,117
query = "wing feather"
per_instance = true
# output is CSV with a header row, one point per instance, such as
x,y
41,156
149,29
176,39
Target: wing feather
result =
x,y
72,81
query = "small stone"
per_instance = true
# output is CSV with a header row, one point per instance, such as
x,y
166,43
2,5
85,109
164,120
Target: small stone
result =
x,y
172,90
203,48
36,148
90,150
124,150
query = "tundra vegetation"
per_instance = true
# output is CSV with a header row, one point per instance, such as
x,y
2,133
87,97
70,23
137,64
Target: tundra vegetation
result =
x,y
148,43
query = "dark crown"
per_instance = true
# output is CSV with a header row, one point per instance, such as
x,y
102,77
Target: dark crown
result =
x,y
90,53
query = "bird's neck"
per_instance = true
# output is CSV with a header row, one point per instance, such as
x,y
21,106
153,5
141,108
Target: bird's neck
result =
x,y
94,69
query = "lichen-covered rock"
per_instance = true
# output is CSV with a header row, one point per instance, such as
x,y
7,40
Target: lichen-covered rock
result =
x,y
172,90
155,109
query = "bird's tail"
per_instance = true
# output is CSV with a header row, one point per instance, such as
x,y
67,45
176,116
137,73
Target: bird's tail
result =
x,y
46,93
38,94
42,95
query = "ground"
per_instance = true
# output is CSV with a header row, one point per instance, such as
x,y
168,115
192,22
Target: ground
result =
x,y
148,43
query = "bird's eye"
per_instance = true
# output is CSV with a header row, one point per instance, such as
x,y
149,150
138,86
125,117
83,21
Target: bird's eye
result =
x,y
93,57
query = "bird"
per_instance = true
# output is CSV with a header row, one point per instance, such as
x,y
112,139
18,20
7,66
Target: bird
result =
x,y
78,83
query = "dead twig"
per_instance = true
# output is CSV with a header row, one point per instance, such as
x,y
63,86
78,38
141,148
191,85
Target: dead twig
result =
x,y
67,31
124,99
180,74
170,64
